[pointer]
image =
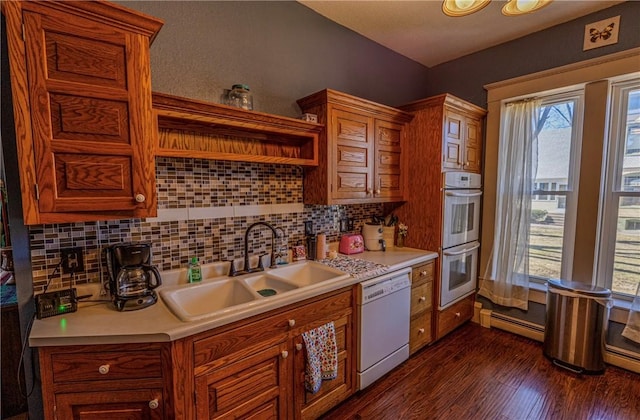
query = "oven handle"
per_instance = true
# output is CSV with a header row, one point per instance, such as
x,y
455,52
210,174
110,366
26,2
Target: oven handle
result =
x,y
461,194
449,253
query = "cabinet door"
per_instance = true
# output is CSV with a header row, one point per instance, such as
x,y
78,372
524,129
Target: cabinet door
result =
x,y
143,404
352,147
453,132
473,145
90,97
254,387
389,181
310,406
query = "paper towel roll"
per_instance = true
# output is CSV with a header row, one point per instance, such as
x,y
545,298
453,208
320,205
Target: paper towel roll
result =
x,y
321,247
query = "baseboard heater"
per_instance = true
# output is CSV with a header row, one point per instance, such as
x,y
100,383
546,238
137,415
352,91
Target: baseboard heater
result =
x,y
613,355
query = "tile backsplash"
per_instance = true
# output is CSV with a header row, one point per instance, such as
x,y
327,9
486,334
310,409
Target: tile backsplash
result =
x,y
204,208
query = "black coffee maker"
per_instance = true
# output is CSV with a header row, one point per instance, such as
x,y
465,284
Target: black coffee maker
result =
x,y
132,278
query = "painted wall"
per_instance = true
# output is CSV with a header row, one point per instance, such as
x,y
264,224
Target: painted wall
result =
x,y
281,49
547,49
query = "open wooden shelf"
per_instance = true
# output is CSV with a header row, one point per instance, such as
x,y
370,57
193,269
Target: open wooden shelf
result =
x,y
192,128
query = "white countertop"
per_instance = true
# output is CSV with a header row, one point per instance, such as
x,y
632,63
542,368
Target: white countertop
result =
x,y
99,323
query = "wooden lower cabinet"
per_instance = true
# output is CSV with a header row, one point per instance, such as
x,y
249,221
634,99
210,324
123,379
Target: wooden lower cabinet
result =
x,y
143,404
250,388
256,369
125,381
250,369
420,333
308,405
454,316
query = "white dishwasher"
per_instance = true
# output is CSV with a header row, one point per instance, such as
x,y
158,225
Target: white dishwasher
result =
x,y
384,310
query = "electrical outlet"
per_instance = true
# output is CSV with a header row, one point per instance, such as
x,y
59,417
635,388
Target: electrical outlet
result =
x,y
308,228
72,260
344,225
350,224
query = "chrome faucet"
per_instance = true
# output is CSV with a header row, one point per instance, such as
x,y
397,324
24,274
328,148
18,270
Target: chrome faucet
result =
x,y
247,268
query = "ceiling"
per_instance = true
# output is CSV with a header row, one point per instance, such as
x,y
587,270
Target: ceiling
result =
x,y
419,30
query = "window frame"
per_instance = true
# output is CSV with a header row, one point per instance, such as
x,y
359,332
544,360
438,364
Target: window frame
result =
x,y
571,194
613,183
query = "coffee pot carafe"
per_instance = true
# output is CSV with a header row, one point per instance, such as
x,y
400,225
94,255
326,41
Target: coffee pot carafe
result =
x,y
132,278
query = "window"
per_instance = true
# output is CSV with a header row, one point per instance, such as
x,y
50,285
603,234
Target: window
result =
x,y
551,226
632,224
585,244
619,264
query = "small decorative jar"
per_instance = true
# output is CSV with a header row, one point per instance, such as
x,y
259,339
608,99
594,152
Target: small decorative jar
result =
x,y
240,96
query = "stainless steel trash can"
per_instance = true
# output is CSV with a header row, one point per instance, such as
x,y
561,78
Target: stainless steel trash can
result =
x,y
576,322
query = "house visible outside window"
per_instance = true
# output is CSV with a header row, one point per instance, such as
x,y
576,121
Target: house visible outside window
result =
x,y
619,264
552,225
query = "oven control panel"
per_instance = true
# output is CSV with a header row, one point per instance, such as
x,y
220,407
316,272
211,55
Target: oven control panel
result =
x,y
466,180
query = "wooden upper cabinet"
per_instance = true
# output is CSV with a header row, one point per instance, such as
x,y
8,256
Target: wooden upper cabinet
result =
x,y
472,158
360,151
456,126
452,140
354,148
82,86
389,181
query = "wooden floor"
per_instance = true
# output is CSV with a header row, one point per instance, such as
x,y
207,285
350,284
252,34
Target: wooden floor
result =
x,y
479,373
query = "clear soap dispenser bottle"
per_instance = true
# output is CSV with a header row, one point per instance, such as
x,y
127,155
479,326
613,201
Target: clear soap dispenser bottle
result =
x,y
195,272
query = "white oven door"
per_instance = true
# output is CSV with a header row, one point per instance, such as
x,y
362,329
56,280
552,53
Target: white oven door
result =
x,y
459,268
461,217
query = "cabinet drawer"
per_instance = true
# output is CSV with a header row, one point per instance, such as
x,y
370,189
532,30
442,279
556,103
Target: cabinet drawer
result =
x,y
94,366
129,404
317,313
421,298
422,273
272,329
455,315
419,331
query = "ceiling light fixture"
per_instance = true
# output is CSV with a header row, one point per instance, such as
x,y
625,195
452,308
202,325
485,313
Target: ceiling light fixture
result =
x,y
457,8
521,7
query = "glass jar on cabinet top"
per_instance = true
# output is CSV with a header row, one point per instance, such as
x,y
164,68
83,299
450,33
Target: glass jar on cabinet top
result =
x,y
240,97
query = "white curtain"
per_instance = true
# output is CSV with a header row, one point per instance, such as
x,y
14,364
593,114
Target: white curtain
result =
x,y
632,330
506,280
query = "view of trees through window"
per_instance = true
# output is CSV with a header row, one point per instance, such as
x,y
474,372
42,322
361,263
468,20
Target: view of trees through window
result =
x,y
550,189
553,188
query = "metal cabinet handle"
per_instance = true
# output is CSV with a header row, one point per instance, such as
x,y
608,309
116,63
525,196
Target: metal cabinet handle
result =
x,y
292,322
299,346
284,354
421,331
422,298
457,314
423,273
153,404
104,369
378,191
140,198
